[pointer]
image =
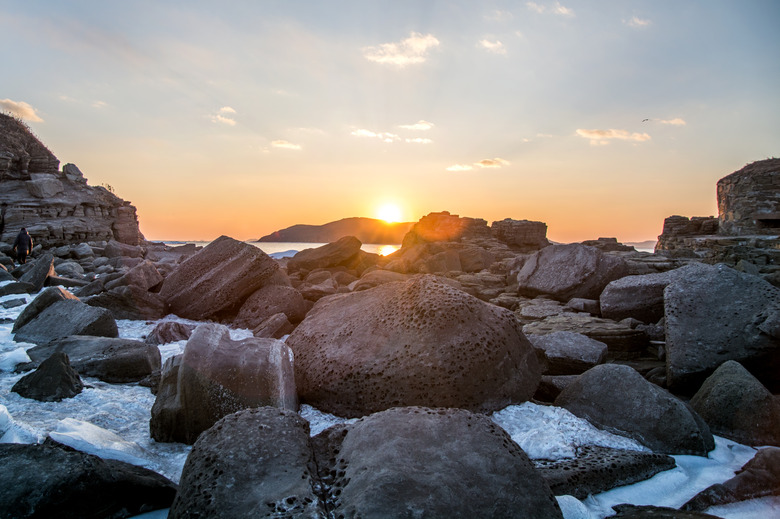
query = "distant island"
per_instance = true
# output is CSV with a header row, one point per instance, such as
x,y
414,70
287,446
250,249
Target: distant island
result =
x,y
367,230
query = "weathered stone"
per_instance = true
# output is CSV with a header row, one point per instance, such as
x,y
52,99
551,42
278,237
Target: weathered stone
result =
x,y
44,267
568,353
580,304
718,315
551,386
69,269
616,398
270,300
218,278
217,376
223,477
169,331
275,327
45,299
116,249
112,360
474,259
524,235
419,342
382,466
54,380
44,185
598,469
144,276
737,406
17,287
608,245
65,318
749,199
375,278
52,480
567,271
445,227
333,254
129,302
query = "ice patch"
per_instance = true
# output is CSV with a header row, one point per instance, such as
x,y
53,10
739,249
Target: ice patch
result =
x,y
763,508
11,432
553,433
10,359
85,437
319,421
572,508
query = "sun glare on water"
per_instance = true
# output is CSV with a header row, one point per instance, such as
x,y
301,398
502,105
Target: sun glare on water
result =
x,y
390,213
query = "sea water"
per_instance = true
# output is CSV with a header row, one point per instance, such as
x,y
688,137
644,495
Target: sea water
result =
x,y
112,421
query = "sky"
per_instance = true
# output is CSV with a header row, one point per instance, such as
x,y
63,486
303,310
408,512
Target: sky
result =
x,y
599,118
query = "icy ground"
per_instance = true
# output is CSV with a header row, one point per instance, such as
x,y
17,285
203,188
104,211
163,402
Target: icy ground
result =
x,y
112,421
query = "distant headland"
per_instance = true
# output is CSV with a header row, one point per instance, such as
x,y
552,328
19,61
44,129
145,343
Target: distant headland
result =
x,y
367,230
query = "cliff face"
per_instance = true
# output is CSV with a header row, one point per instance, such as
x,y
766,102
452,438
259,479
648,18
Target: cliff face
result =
x,y
56,206
367,230
749,199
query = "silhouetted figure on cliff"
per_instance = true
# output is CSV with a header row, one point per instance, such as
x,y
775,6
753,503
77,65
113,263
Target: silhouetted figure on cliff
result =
x,y
23,245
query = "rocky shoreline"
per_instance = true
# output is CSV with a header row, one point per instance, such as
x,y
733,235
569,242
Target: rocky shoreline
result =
x,y
464,320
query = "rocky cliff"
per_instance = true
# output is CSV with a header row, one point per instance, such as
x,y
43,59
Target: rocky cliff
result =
x,y
56,206
367,230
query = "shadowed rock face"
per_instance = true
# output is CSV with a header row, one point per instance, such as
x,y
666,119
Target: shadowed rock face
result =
x,y
57,207
53,381
419,342
749,199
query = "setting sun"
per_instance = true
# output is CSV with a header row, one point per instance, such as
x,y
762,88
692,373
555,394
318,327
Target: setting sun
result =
x,y
389,213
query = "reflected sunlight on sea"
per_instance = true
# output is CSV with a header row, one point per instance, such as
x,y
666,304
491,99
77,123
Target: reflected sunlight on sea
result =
x,y
383,249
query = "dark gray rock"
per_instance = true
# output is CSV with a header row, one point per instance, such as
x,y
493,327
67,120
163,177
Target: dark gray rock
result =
x,y
567,271
65,318
719,315
412,462
270,300
169,331
737,406
43,268
53,381
568,353
655,512
50,480
129,302
113,360
759,477
419,342
217,279
17,287
144,276
42,301
253,463
217,376
13,303
551,386
598,469
618,399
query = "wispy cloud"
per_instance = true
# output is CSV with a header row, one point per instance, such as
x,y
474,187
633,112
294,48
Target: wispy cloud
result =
x,y
20,109
602,137
410,51
498,16
674,122
287,145
99,104
419,125
383,136
484,163
555,8
419,140
637,22
495,47
224,116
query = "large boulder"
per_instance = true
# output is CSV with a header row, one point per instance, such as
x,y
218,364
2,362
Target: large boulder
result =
x,y
169,331
642,297
51,480
54,380
129,302
567,271
43,300
65,318
333,254
737,406
618,399
419,342
253,463
718,315
43,268
113,360
218,278
144,276
268,301
422,462
217,376
568,353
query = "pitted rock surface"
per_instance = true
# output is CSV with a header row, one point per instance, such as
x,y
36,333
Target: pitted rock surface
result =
x,y
598,469
422,462
268,301
419,342
253,463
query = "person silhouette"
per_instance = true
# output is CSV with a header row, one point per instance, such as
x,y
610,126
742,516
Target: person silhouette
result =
x,y
22,245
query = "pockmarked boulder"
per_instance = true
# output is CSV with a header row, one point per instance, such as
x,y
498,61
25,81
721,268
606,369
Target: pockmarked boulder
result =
x,y
270,300
426,462
218,278
418,342
567,271
51,480
618,399
217,376
737,406
43,300
112,360
642,297
568,353
54,380
759,477
253,463
333,254
718,315
65,318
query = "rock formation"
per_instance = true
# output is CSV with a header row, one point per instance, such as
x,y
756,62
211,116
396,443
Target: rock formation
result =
x,y
57,207
367,230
